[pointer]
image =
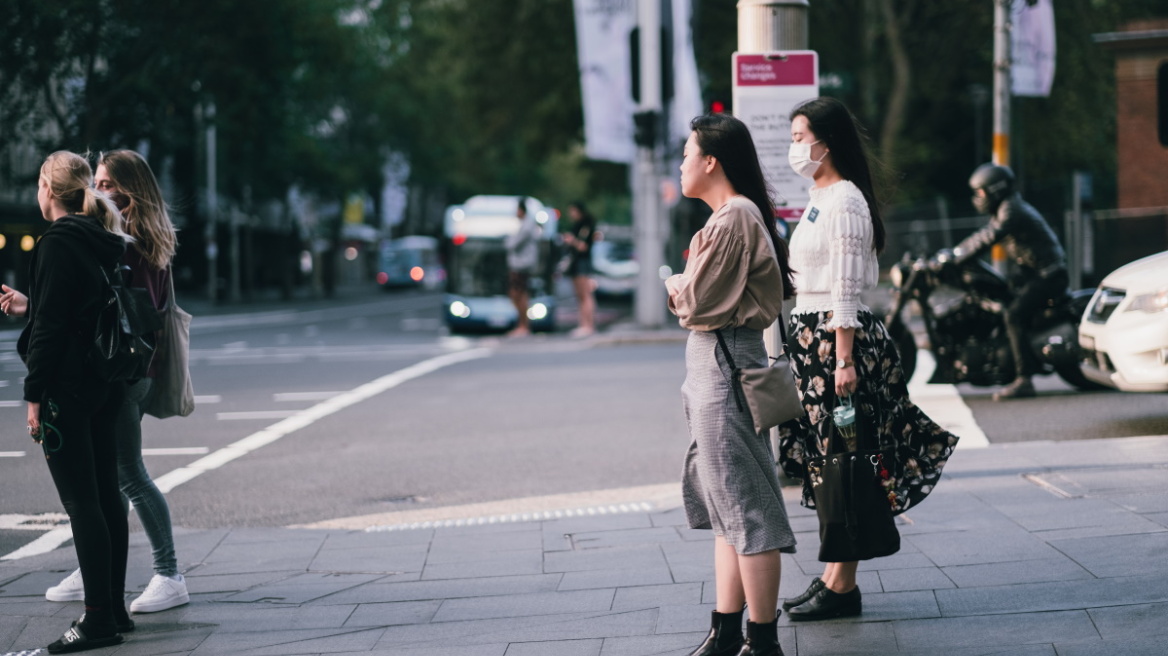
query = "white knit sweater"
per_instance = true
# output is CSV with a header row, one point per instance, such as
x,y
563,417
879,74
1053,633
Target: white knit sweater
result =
x,y
832,254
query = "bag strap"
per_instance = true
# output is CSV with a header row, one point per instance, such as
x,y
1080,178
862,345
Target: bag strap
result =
x,y
775,255
170,283
735,382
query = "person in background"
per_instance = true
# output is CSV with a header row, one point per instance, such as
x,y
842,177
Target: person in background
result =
x,y
579,243
72,412
1031,244
522,260
732,288
837,346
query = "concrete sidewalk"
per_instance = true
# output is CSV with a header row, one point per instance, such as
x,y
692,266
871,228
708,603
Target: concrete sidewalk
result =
x,y
1024,549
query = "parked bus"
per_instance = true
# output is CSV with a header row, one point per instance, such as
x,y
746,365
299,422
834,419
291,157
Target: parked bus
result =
x,y
410,262
476,265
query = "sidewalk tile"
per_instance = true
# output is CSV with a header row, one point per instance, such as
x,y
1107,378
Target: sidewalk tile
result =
x,y
524,605
1004,630
257,617
600,539
151,643
844,638
1138,619
622,557
921,578
447,547
524,629
385,560
462,650
673,644
1005,543
391,613
684,618
611,578
1133,646
1068,595
655,596
380,591
1016,573
229,583
1119,555
886,606
511,563
589,647
303,588
997,650
309,641
671,517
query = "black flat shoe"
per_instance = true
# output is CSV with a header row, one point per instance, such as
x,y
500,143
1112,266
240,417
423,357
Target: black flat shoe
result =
x,y
803,597
826,605
75,640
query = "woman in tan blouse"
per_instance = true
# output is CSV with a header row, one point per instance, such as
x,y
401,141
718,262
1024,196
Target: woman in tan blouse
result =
x,y
732,288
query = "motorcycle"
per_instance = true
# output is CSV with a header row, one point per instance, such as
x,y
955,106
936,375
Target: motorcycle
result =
x,y
962,307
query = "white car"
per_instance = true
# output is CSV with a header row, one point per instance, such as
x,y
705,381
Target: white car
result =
x,y
1124,332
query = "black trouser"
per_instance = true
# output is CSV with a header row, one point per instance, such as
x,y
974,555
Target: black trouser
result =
x,y
81,452
1030,298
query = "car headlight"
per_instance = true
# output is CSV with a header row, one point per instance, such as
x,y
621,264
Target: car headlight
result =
x,y
460,309
1157,301
537,311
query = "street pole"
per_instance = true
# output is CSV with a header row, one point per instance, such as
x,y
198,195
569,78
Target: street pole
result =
x,y
212,207
764,26
1002,92
648,219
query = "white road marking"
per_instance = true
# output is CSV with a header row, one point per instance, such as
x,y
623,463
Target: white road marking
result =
x,y
304,418
42,545
33,522
293,397
944,404
12,404
255,414
209,398
11,454
177,451
167,482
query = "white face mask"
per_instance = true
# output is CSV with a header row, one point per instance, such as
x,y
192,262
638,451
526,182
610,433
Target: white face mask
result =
x,y
799,157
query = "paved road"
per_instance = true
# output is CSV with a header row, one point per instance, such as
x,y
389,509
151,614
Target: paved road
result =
x,y
448,421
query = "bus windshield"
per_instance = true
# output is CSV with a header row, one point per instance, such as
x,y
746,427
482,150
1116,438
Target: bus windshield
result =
x,y
478,267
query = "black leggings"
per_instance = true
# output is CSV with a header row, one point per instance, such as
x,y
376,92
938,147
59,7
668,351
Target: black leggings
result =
x,y
82,457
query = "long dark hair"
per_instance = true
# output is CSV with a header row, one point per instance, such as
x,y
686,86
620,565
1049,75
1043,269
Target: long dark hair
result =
x,y
834,125
728,140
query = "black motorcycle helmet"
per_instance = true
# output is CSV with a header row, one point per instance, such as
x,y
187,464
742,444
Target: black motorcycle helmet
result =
x,y
998,183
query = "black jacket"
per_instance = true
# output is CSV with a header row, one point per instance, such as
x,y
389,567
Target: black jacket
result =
x,y
1028,239
64,297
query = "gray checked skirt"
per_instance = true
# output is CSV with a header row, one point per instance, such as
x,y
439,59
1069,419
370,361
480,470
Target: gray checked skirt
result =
x,y
729,483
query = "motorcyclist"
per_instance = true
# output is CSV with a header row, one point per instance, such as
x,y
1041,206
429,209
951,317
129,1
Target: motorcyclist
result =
x,y
1033,247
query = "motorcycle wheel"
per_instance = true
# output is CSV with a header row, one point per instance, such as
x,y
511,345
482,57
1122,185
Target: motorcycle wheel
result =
x,y
1075,378
906,346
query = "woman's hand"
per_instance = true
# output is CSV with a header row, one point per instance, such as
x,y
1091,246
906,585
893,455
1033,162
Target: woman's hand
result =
x,y
12,302
846,381
34,421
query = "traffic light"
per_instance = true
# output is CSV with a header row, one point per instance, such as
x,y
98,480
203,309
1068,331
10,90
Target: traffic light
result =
x,y
645,129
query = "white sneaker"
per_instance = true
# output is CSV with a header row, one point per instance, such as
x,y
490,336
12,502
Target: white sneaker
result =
x,y
70,589
162,593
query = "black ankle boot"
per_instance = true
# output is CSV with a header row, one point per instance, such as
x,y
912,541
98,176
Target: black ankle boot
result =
x,y
803,597
725,637
762,640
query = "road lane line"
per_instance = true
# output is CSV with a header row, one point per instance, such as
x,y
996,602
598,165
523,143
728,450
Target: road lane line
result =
x,y
254,414
177,451
209,398
167,482
11,454
173,479
292,397
43,544
944,404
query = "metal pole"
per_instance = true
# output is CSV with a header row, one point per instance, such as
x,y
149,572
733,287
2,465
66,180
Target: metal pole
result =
x,y
763,26
212,207
1002,91
650,299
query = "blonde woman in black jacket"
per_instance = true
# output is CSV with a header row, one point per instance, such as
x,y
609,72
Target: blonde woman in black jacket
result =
x,y
71,411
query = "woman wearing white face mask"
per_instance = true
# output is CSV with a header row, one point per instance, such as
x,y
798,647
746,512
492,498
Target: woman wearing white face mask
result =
x,y
838,348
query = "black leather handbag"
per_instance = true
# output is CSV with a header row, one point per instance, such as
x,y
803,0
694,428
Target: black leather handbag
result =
x,y
852,500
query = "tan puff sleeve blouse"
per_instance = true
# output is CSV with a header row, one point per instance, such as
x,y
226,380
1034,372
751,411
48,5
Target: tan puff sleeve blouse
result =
x,y
731,278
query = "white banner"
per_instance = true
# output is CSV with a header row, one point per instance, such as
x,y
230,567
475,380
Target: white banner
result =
x,y
1032,48
687,92
602,40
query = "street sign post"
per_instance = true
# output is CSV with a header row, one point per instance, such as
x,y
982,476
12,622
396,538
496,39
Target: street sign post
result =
x,y
767,86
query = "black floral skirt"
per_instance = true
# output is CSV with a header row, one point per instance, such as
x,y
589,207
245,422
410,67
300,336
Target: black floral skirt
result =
x,y
882,403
